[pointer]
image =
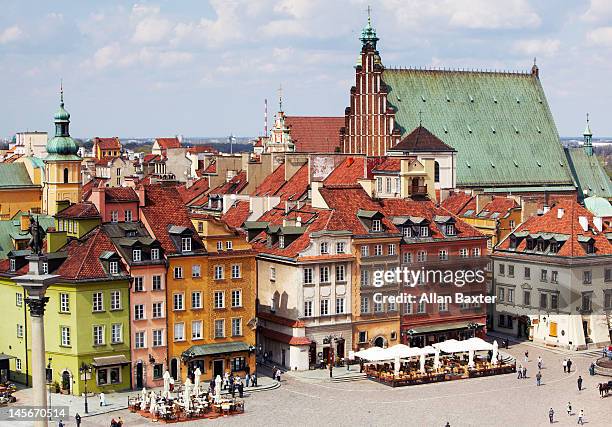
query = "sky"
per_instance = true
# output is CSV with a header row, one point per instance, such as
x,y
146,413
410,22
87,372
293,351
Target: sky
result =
x,y
204,68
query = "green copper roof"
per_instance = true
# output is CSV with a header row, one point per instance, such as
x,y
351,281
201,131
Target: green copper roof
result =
x,y
62,114
588,173
14,175
499,123
62,145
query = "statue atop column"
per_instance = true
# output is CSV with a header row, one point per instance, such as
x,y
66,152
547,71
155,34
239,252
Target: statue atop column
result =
x,y
38,236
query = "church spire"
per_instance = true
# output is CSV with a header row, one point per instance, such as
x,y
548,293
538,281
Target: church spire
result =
x,y
535,71
588,138
62,143
368,33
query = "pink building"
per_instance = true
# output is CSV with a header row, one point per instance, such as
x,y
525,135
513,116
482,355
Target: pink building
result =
x,y
115,203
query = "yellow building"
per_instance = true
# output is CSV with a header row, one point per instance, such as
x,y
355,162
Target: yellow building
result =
x,y
62,180
496,218
17,191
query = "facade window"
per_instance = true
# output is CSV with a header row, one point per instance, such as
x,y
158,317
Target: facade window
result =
x,y
442,306
527,274
229,245
324,274
586,302
554,302
236,274
308,308
114,267
18,365
407,257
408,309
114,216
544,301
19,299
179,332
98,335
511,295
196,330
219,328
608,300
543,275
398,186
501,294
340,247
115,300
340,273
340,305
139,312
64,303
510,271
378,251
586,277
365,278
365,251
392,306
238,364
365,305
236,298
511,224
324,307
502,269
272,273
116,333
155,254
421,256
378,307
391,249
219,246
308,275
139,340
388,184
128,215
158,337
178,302
424,231
138,284
554,275
45,268
236,327
463,253
178,272
443,255
407,231
158,310
156,283
219,272
12,264
502,321
196,299
324,248
449,229
379,184
363,336
19,330
422,307
200,227
608,275
98,301
219,299
376,225
527,298
475,252
196,270
186,244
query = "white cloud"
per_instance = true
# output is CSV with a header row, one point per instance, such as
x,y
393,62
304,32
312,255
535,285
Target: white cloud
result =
x,y
298,9
600,36
599,10
117,56
150,26
537,47
10,34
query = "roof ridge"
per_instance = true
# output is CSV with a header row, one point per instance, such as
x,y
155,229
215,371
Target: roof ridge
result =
x,y
89,241
461,70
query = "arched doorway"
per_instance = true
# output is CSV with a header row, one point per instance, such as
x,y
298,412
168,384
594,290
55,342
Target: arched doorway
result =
x,y
174,369
66,381
139,375
379,342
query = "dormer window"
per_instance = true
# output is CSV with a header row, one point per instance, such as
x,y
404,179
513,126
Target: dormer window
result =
x,y
114,267
45,268
540,246
530,244
185,244
407,231
424,231
281,242
449,229
324,248
155,254
376,225
553,247
136,255
12,264
590,247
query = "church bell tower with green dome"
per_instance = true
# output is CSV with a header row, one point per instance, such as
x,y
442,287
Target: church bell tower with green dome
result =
x,y
62,180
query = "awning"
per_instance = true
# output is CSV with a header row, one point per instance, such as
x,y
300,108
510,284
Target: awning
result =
x,y
100,362
442,327
218,348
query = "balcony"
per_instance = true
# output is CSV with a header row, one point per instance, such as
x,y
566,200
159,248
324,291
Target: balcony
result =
x,y
418,190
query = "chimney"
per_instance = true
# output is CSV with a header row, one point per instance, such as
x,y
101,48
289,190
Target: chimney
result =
x,y
560,213
98,198
598,221
546,208
140,191
584,222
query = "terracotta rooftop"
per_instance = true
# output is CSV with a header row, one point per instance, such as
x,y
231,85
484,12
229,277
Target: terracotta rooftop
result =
x,y
198,188
315,134
296,186
79,210
233,186
165,143
107,143
390,164
148,158
496,208
202,149
237,214
120,194
458,202
285,338
347,172
210,169
89,185
272,183
421,139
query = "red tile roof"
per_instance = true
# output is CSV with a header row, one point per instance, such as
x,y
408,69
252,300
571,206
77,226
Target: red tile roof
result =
x,y
233,186
120,194
163,208
211,168
89,185
237,214
79,210
315,134
390,164
198,188
107,143
421,139
347,172
148,158
165,143
568,224
272,183
296,187
459,202
83,260
501,205
202,149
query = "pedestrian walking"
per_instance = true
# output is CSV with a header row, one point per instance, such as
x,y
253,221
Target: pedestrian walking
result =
x,y
539,378
524,372
564,365
579,381
247,379
233,389
526,356
581,417
77,418
569,365
102,399
240,388
447,424
569,408
60,423
592,369
254,379
540,362
119,422
551,415
520,372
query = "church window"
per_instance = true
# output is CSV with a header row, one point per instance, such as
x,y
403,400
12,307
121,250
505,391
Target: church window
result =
x,y
436,171
65,175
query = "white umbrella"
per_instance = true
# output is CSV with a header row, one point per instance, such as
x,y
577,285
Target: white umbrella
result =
x,y
187,393
373,354
437,359
478,344
143,398
196,381
495,353
471,358
422,363
218,388
166,392
396,366
153,404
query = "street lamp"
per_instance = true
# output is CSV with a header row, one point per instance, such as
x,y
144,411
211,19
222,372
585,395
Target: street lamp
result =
x,y
85,370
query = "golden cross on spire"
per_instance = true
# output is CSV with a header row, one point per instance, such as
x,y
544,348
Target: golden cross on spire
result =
x,y
62,91
587,118
280,97
369,10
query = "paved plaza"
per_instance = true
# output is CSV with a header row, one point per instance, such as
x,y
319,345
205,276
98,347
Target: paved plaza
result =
x,y
311,399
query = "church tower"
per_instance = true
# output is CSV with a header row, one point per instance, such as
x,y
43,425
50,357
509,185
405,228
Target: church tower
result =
x,y
369,121
588,138
280,138
62,181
